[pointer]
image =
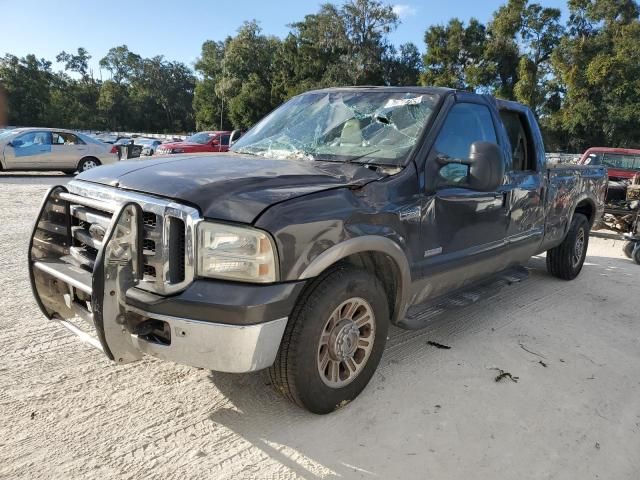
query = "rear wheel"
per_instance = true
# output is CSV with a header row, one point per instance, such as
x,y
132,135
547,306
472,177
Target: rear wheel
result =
x,y
333,341
636,253
566,260
87,164
628,248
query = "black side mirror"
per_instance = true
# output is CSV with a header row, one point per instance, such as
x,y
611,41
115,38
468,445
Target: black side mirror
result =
x,y
486,166
235,135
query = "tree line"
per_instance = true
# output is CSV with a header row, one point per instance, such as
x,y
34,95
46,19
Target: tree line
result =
x,y
581,77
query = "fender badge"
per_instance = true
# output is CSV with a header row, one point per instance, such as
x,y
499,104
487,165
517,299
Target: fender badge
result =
x,y
409,214
433,252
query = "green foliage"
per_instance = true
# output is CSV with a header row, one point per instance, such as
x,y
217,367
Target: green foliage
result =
x,y
582,79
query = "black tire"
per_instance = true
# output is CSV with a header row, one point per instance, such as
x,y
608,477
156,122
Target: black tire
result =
x,y
88,163
296,372
628,248
635,255
565,261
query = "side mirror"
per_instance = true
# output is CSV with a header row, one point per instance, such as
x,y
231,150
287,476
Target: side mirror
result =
x,y
235,135
10,144
486,166
215,142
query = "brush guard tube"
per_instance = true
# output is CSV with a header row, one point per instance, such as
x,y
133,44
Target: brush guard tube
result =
x,y
65,291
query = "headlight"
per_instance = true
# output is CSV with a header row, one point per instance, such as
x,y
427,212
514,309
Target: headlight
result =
x,y
235,253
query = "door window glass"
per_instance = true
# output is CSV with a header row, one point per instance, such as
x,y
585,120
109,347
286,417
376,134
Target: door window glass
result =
x,y
466,123
617,160
225,140
520,141
32,138
66,139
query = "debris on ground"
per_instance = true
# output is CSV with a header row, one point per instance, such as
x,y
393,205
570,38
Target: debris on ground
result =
x,y
438,345
543,364
522,346
502,375
598,445
33,415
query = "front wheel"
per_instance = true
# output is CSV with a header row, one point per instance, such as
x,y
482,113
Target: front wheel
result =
x,y
333,341
635,255
87,164
566,260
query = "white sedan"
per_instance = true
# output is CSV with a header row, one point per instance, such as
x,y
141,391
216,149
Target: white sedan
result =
x,y
52,149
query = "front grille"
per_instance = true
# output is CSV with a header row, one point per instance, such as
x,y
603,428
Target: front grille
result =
x,y
168,231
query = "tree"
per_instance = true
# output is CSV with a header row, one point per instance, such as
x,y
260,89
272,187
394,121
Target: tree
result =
x,y
27,82
121,63
598,64
78,63
455,55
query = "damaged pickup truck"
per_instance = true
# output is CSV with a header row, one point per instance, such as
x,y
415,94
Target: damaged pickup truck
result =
x,y
342,212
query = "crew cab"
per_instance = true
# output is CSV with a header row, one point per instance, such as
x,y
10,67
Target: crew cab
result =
x,y
200,142
342,212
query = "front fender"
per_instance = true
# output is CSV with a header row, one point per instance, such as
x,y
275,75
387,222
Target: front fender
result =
x,y
367,244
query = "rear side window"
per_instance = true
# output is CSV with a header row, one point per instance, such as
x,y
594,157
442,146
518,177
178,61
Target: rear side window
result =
x,y
618,160
522,151
466,123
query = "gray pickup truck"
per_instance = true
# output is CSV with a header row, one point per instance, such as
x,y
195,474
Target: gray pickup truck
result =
x,y
342,212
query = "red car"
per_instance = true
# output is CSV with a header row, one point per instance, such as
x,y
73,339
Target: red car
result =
x,y
200,142
622,163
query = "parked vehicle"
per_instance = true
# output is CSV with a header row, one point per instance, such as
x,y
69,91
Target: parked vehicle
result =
x,y
344,211
200,142
52,149
149,145
621,163
113,138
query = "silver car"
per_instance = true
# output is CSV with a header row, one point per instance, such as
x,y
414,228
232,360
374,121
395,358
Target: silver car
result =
x,y
52,149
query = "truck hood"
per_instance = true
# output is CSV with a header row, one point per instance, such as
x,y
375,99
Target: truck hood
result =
x,y
229,186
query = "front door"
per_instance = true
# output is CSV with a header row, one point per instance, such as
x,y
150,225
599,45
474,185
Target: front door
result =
x,y
463,230
30,150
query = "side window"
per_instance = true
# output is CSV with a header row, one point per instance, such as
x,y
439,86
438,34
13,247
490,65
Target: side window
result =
x,y
466,123
66,139
225,140
617,160
32,138
522,151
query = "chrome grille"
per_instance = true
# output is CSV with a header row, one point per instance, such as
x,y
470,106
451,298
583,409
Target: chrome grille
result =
x,y
169,232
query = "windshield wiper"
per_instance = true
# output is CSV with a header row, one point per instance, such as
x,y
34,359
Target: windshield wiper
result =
x,y
355,159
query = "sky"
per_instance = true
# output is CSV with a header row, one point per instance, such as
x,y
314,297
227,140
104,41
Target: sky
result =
x,y
178,29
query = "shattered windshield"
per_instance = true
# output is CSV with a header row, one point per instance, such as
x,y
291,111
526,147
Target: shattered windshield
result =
x,y
342,126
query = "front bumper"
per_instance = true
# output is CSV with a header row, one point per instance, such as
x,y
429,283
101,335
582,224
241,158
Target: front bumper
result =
x,y
211,324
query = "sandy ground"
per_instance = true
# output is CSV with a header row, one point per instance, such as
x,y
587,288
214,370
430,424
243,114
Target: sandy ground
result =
x,y
66,412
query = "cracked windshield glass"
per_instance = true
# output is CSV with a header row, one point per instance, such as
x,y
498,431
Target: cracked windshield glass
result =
x,y
379,128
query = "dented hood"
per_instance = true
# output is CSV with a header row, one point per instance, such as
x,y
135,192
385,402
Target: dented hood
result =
x,y
229,186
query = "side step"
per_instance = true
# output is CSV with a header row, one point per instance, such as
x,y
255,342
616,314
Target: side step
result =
x,y
422,314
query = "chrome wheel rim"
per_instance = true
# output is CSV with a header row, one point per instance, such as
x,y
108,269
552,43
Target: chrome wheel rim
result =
x,y
346,342
578,249
88,165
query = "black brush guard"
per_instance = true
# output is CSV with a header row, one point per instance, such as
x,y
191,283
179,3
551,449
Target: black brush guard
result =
x,y
67,291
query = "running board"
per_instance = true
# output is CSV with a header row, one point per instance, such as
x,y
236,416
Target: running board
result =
x,y
419,316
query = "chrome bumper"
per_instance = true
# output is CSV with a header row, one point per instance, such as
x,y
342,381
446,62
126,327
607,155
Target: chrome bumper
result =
x,y
93,303
217,346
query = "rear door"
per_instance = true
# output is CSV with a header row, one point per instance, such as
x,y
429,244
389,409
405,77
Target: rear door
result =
x,y
67,150
31,150
525,181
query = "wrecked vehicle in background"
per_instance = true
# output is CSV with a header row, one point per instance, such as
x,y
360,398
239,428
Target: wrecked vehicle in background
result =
x,y
342,212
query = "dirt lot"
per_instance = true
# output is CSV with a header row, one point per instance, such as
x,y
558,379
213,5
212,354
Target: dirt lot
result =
x,y
66,412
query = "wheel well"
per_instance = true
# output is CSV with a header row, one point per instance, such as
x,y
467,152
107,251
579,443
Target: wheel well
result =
x,y
586,208
379,264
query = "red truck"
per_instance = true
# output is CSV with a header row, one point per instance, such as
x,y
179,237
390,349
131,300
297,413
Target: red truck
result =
x,y
621,163
216,141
